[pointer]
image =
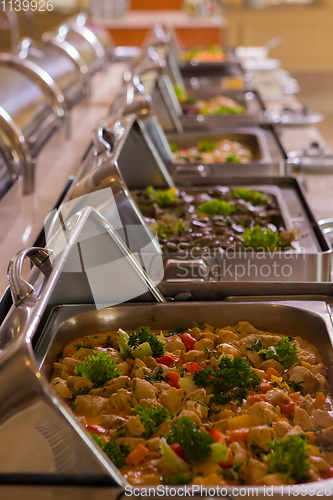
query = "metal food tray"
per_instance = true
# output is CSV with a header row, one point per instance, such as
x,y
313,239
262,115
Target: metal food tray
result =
x,y
287,315
310,261
269,156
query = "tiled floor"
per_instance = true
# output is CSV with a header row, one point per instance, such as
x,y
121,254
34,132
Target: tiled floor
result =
x,y
317,92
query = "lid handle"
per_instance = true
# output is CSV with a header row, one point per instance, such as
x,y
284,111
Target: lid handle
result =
x,y
20,288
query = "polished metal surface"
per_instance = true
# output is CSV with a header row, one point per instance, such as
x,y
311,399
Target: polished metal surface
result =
x,y
58,65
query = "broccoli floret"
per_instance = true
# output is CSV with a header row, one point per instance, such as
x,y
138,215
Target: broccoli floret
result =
x,y
112,450
205,146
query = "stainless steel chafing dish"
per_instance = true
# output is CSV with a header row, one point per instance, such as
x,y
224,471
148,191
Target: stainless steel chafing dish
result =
x,y
29,114
51,312
108,165
89,45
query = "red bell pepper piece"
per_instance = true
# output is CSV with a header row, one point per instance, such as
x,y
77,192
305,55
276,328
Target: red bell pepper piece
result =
x,y
193,367
188,341
288,409
217,435
177,449
174,378
166,360
95,429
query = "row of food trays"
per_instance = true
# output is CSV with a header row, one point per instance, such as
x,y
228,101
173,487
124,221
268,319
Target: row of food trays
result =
x,y
176,327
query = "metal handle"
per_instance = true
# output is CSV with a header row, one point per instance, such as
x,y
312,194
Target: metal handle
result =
x,y
141,104
41,78
326,225
103,141
20,288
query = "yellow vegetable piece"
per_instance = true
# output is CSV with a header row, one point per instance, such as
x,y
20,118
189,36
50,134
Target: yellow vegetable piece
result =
x,y
313,450
240,422
280,382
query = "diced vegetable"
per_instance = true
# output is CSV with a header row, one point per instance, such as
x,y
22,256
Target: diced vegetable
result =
x,y
217,436
265,387
187,384
313,450
174,378
238,435
142,350
123,339
193,367
219,453
287,409
188,341
239,422
320,399
144,335
96,429
137,455
177,449
271,371
171,461
166,360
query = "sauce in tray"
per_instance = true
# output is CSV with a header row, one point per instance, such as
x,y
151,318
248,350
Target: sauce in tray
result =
x,y
202,405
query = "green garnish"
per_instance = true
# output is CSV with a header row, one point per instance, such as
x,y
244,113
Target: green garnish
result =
x,y
285,352
231,380
178,478
255,197
216,207
168,225
289,456
206,145
163,197
196,325
83,346
267,240
142,335
194,442
112,450
158,376
232,158
99,368
151,418
173,147
255,346
80,392
180,93
223,110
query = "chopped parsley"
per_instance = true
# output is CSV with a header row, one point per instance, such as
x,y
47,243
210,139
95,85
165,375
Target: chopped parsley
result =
x,y
80,392
196,325
255,346
231,380
112,450
157,376
99,368
178,478
285,352
152,418
289,456
194,442
216,207
143,334
83,346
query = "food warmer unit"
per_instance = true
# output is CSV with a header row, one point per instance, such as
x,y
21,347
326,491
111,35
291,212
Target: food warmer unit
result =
x,y
56,304
109,164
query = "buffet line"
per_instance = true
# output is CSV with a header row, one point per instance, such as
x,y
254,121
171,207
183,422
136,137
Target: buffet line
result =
x,y
184,210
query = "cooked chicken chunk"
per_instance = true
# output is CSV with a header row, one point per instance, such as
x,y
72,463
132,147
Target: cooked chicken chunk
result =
x,y
143,389
61,387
